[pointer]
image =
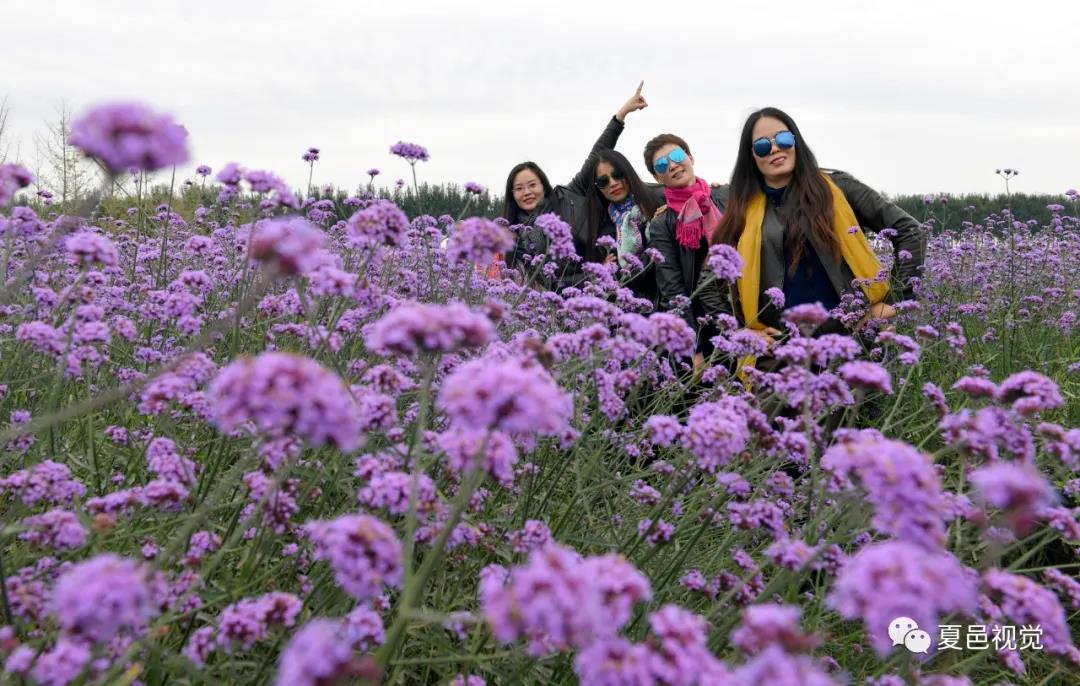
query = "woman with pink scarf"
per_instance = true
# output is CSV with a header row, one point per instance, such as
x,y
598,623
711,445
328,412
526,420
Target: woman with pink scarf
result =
x,y
682,232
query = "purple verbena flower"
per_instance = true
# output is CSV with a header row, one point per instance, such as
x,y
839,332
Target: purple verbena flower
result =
x,y
725,262
1030,393
88,247
410,152
1016,488
12,178
478,240
865,374
894,579
380,223
130,136
316,655
768,625
560,237
284,394
99,597
515,395
412,326
363,552
57,529
292,244
716,432
900,482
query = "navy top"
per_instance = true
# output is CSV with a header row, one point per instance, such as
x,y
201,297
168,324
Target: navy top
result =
x,y
810,283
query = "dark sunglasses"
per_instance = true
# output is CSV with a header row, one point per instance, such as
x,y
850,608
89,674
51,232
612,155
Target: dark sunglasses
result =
x,y
785,140
604,181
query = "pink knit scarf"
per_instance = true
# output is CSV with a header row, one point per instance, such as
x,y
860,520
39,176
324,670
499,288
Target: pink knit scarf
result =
x,y
697,215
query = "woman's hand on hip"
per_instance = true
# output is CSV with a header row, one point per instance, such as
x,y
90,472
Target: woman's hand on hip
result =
x,y
877,311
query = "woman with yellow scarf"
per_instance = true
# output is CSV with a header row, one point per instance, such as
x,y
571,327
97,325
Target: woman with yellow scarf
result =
x,y
798,229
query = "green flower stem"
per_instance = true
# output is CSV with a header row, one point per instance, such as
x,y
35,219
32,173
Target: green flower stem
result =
x,y
415,586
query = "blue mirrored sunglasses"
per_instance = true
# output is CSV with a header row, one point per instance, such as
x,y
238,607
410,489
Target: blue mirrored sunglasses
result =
x,y
678,156
784,140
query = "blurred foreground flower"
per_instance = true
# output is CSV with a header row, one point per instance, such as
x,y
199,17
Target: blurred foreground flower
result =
x,y
125,136
284,394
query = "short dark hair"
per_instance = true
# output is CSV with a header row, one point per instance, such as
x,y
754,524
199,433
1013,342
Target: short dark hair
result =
x,y
660,141
510,208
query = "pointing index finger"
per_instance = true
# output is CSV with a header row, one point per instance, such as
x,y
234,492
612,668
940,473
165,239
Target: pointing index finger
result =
x,y
639,87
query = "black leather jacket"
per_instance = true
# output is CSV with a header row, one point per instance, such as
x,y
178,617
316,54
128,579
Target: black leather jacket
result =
x,y
571,203
681,269
872,210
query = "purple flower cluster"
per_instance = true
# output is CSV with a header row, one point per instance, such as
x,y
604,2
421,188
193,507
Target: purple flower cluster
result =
x,y
410,152
769,625
89,247
282,394
1017,489
165,461
12,178
1030,393
411,327
868,375
725,262
716,432
379,224
363,552
319,654
680,649
46,482
775,666
478,240
558,600
1027,603
672,333
130,136
98,598
560,237
899,481
515,395
249,621
899,579
392,491
291,244
494,451
474,188
57,529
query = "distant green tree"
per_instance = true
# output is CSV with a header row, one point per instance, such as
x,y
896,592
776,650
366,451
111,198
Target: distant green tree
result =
x,y
942,211
948,212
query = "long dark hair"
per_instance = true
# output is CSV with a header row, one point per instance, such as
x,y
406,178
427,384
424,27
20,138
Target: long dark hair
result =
x,y
598,204
807,209
510,209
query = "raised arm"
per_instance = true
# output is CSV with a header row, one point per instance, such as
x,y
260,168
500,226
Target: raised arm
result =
x,y
607,140
875,212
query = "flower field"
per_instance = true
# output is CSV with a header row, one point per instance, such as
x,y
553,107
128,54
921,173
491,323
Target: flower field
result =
x,y
311,442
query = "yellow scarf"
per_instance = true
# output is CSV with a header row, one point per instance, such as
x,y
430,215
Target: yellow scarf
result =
x,y
854,248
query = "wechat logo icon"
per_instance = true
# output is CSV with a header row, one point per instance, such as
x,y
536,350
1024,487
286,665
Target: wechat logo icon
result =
x,y
905,631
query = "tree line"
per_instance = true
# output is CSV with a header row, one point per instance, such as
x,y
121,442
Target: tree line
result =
x,y
940,211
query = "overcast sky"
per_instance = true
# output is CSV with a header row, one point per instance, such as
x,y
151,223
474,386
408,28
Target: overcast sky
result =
x,y
918,96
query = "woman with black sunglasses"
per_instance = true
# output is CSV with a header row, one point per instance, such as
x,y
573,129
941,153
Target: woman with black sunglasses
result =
x,y
529,194
620,206
797,228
